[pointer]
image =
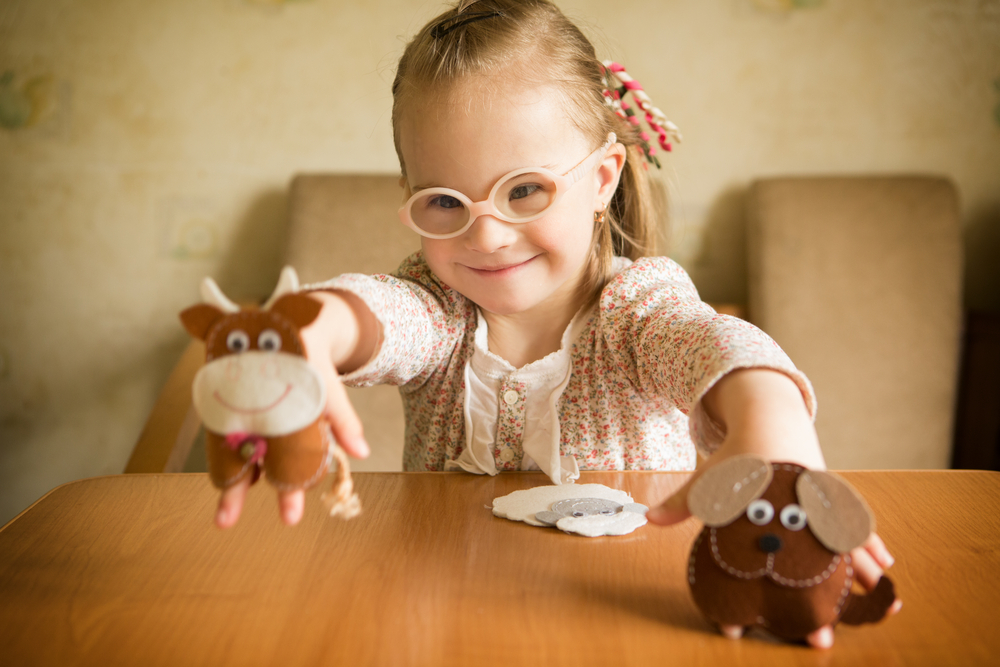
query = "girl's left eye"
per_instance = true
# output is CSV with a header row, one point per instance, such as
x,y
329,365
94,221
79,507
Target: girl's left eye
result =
x,y
524,190
269,340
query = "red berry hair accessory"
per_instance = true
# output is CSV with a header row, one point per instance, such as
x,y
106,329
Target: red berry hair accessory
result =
x,y
617,83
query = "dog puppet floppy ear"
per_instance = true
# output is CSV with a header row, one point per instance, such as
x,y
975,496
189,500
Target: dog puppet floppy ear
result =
x,y
837,515
724,490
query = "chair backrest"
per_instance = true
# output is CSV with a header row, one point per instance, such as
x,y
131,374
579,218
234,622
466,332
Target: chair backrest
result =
x,y
347,224
859,280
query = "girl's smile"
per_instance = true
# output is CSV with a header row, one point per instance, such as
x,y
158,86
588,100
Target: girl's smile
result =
x,y
499,270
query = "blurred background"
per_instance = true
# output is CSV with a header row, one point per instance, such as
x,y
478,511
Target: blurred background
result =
x,y
144,145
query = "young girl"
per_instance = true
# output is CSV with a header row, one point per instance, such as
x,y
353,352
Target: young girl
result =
x,y
532,331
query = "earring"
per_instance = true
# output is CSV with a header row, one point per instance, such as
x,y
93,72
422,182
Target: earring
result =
x,y
599,215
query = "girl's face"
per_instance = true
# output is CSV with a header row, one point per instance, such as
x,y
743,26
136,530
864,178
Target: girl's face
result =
x,y
467,140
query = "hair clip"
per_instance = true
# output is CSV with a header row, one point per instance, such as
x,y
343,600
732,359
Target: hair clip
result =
x,y
441,29
667,132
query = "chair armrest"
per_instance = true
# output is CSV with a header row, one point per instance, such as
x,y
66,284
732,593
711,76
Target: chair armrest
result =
x,y
173,424
734,309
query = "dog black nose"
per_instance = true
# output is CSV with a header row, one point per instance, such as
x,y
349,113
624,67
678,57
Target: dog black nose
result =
x,y
770,543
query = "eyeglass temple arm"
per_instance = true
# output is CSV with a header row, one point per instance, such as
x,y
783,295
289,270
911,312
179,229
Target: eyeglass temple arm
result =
x,y
588,164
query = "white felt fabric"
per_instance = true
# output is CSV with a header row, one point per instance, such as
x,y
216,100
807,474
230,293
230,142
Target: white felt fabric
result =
x,y
597,525
523,505
263,393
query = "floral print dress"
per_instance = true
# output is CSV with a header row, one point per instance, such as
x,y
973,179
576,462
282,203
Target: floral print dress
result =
x,y
639,363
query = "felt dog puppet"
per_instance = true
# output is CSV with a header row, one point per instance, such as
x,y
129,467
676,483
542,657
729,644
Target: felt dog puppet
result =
x,y
260,400
774,552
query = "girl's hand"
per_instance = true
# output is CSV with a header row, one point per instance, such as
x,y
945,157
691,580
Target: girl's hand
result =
x,y
344,337
762,412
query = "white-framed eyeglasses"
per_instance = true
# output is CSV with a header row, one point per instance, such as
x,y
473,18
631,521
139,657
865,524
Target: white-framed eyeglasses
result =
x,y
522,195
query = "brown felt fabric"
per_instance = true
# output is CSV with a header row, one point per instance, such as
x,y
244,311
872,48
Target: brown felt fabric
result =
x,y
299,309
870,608
724,490
198,319
795,590
294,461
837,514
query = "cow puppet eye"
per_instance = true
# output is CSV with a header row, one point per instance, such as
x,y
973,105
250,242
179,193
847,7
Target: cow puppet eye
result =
x,y
237,341
269,340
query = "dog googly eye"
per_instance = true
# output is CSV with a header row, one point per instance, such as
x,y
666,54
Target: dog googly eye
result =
x,y
760,512
578,514
269,340
607,512
237,341
793,517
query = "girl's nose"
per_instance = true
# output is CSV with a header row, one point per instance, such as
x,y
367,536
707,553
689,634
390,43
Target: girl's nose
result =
x,y
488,234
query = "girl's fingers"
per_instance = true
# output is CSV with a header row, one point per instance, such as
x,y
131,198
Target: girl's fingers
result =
x,y
876,547
344,420
291,504
231,503
867,571
821,638
672,510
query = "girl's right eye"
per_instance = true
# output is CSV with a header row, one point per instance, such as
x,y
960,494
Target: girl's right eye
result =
x,y
446,201
237,340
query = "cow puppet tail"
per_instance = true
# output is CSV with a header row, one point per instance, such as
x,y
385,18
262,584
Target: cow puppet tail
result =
x,y
340,499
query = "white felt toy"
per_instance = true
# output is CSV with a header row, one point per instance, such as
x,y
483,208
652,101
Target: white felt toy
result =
x,y
624,515
620,523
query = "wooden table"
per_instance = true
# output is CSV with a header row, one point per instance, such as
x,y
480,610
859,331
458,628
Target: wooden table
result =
x,y
129,570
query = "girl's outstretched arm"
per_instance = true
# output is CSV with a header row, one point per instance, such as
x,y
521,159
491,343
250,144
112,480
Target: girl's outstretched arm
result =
x,y
762,412
342,338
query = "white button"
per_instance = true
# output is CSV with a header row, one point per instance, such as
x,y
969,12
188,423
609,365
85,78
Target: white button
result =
x,y
510,397
507,455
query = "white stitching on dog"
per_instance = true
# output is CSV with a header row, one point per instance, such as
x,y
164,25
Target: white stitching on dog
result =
x,y
754,475
848,580
769,569
819,492
694,551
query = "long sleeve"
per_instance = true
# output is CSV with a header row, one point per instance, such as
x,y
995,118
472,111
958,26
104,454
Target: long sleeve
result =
x,y
422,322
670,344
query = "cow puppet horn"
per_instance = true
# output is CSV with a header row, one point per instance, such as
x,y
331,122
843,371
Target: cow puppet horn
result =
x,y
212,295
288,283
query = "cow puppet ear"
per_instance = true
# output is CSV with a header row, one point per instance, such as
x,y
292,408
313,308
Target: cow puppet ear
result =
x,y
725,489
837,514
301,309
199,319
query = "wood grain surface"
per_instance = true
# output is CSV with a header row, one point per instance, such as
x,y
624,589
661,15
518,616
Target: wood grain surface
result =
x,y
129,570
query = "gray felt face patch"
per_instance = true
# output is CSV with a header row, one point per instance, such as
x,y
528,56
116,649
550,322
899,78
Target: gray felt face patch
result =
x,y
581,507
594,516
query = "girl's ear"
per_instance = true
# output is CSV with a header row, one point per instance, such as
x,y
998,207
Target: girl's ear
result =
x,y
609,172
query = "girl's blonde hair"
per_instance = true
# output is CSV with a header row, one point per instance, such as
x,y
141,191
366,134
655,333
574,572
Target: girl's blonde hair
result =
x,y
531,40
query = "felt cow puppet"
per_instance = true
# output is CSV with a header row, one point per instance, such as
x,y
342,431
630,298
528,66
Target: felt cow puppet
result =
x,y
774,552
260,400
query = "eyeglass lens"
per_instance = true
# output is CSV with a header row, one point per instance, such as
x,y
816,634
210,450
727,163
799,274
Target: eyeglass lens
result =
x,y
518,197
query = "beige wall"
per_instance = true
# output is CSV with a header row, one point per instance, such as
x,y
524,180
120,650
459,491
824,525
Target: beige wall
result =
x,y
145,144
